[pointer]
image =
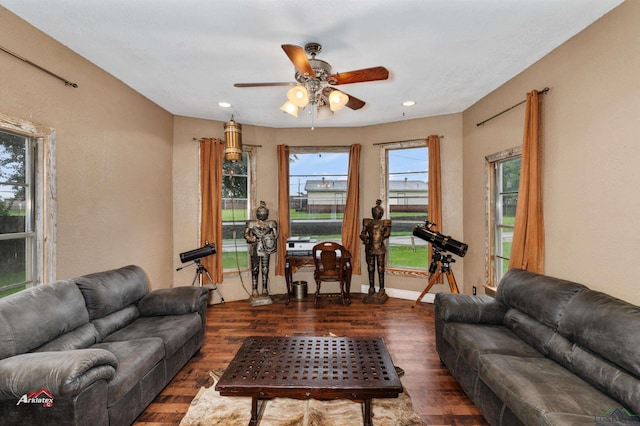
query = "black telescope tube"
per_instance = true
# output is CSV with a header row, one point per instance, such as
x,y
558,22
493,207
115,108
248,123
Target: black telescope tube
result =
x,y
443,242
198,253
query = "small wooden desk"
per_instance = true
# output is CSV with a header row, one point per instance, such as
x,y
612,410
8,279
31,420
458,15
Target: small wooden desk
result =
x,y
303,367
292,263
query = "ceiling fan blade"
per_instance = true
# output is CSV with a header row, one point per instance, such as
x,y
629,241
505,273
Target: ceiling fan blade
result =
x,y
359,76
299,59
262,84
353,102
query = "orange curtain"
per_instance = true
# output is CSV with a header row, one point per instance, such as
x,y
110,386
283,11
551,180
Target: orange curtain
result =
x,y
350,231
283,206
434,207
211,157
527,249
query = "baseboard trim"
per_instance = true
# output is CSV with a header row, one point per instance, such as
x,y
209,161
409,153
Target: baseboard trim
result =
x,y
403,294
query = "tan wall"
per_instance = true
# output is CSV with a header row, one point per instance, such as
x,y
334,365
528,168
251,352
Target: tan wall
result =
x,y
186,206
114,156
591,151
119,157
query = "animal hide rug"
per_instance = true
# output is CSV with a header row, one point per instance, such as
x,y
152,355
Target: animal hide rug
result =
x,y
210,408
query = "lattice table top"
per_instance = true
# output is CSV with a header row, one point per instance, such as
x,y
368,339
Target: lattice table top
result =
x,y
312,363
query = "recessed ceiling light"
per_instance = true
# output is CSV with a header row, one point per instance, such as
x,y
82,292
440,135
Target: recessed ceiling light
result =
x,y
408,103
224,104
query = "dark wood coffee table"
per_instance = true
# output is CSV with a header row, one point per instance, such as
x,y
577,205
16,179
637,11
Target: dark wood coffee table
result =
x,y
302,367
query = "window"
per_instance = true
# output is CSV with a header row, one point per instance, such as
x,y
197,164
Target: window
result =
x,y
405,190
238,198
317,192
17,226
503,171
27,204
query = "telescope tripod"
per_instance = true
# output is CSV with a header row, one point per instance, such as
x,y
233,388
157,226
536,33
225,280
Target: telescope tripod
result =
x,y
445,261
200,272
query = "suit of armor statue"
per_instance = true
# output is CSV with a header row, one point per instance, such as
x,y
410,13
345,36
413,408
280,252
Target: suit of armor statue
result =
x,y
374,233
262,237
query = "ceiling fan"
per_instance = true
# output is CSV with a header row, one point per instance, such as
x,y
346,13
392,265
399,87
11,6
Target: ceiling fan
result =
x,y
315,79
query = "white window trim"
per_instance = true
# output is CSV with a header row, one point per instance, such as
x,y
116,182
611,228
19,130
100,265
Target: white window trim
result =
x,y
46,196
384,166
252,151
320,150
384,163
489,204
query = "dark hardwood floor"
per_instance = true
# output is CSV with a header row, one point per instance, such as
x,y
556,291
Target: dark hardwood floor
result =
x,y
408,333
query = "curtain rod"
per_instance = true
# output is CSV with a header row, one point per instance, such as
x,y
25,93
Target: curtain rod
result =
x,y
244,144
541,92
15,55
408,140
315,148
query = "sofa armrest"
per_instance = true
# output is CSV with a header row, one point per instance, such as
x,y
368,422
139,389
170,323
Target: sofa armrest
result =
x,y
452,307
173,301
61,373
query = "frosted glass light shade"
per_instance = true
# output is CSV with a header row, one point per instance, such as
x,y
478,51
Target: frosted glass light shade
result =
x,y
298,96
290,108
324,112
337,100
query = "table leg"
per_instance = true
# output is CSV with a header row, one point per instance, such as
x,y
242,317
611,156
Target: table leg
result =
x,y
367,412
288,277
348,281
254,412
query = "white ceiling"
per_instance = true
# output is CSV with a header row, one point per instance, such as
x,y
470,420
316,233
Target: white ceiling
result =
x,y
185,55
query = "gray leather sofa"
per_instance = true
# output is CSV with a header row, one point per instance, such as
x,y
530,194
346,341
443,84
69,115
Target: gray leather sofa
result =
x,y
94,350
544,352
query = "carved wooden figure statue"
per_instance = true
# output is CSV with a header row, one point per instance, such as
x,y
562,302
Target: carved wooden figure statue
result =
x,y
374,233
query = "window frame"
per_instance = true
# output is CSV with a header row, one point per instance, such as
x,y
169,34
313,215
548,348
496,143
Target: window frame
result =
x,y
343,149
384,196
491,190
28,232
45,211
251,151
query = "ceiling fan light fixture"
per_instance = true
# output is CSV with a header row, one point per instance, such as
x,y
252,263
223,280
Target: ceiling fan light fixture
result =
x,y
290,108
337,100
324,112
314,79
299,96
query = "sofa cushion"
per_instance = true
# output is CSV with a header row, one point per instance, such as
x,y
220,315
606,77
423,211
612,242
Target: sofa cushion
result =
x,y
472,309
539,296
135,359
173,301
567,419
606,326
603,374
473,340
607,377
113,322
533,388
62,373
35,316
80,338
109,291
534,333
173,330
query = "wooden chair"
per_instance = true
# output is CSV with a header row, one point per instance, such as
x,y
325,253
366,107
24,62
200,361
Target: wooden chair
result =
x,y
333,263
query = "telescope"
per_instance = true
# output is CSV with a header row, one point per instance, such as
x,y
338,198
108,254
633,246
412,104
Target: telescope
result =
x,y
443,242
207,250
